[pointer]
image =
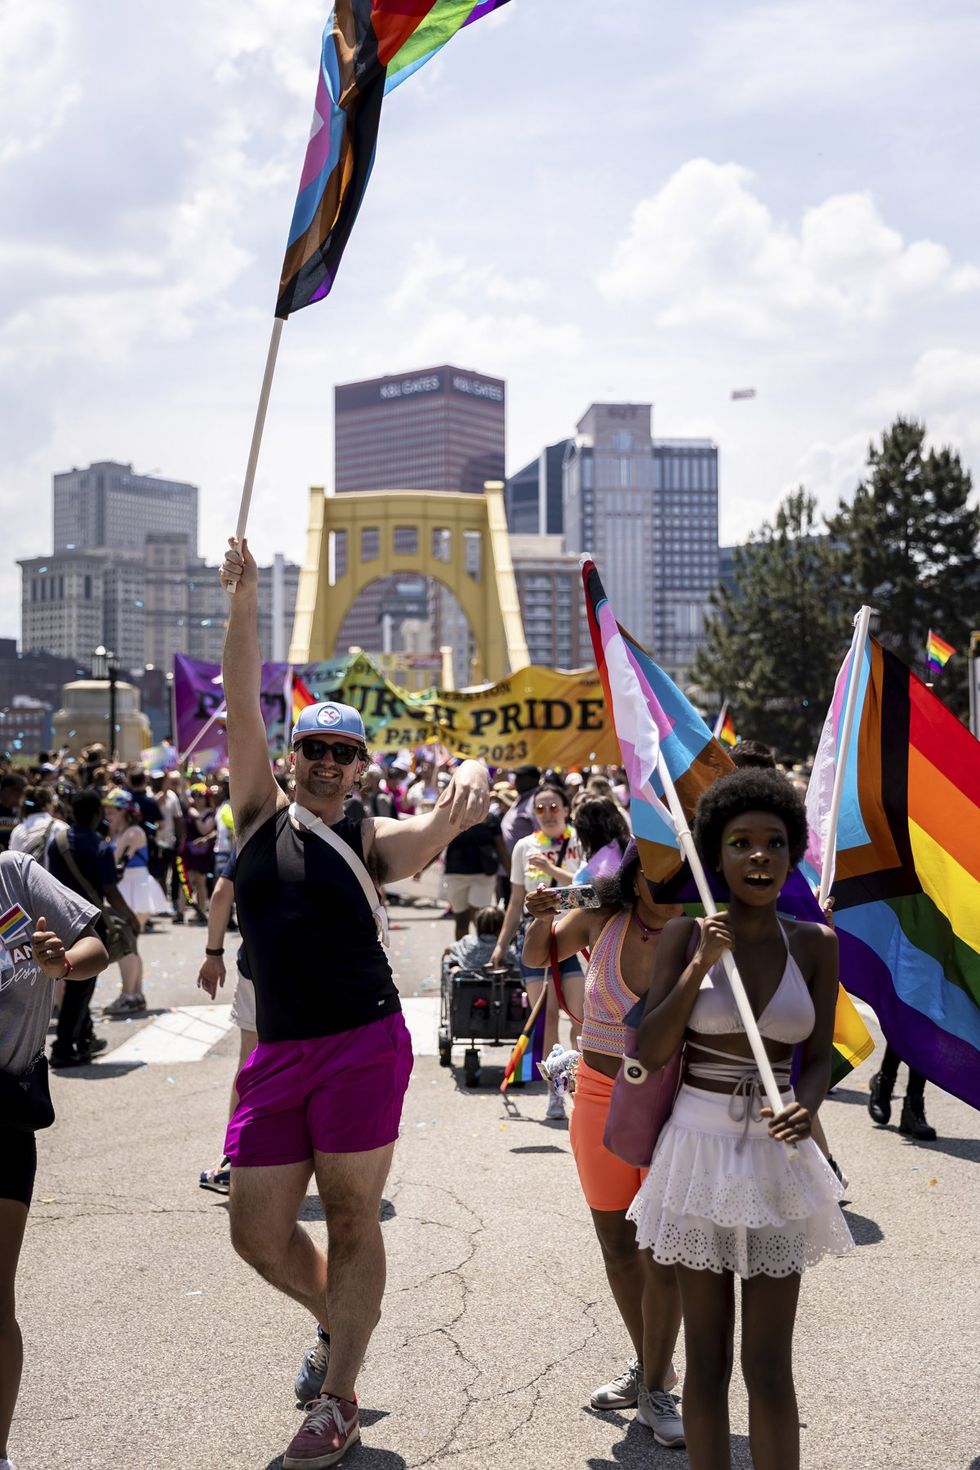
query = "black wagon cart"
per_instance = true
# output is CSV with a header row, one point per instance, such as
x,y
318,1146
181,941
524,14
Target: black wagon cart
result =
x,y
479,1008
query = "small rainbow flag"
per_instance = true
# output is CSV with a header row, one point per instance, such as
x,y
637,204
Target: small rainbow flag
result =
x,y
938,652
301,697
727,734
15,924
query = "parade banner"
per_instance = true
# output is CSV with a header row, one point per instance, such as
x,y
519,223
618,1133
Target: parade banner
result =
x,y
541,716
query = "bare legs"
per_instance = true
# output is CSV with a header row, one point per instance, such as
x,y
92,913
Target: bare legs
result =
x,y
768,1318
645,1293
263,1206
13,1219
264,1231
131,970
768,1315
350,1187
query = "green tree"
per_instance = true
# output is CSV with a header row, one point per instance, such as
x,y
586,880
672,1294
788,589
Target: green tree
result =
x,y
910,541
774,644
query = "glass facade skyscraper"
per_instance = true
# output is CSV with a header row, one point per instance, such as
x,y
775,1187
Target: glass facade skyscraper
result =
x,y
647,510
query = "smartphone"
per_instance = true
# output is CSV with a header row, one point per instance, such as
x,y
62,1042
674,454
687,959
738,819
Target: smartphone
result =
x,y
582,896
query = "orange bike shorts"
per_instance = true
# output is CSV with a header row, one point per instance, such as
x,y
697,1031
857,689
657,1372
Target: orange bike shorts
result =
x,y
607,1183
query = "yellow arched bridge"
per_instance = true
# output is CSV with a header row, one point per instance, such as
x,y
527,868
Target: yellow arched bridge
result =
x,y
458,540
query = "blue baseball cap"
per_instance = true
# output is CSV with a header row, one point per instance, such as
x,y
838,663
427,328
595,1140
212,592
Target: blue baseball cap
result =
x,y
329,718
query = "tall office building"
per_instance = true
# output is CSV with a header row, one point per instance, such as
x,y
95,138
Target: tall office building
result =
x,y
648,511
440,428
549,587
609,509
533,496
108,505
125,574
686,547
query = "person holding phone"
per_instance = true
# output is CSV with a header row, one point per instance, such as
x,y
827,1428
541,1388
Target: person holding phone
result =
x,y
621,934
546,857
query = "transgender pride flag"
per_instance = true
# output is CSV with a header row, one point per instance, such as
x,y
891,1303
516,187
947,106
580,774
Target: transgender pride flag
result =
x,y
651,718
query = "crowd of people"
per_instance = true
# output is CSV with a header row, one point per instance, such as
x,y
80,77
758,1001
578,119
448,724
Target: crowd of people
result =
x,y
302,860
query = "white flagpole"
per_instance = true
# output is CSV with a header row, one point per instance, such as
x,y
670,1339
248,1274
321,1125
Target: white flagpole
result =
x,y
720,722
287,721
221,710
259,425
686,843
862,625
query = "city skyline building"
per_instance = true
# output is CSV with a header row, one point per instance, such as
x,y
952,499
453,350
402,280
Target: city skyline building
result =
x,y
533,497
108,505
647,510
143,592
549,587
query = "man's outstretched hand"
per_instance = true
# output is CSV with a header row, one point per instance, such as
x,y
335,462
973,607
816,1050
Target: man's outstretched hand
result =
x,y
239,574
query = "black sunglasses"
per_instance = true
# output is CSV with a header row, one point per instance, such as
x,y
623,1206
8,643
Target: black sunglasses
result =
x,y
315,750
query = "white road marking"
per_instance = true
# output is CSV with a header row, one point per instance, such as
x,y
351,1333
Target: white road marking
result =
x,y
422,1018
186,1034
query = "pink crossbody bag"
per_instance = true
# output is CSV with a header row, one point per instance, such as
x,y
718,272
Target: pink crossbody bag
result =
x,y
643,1097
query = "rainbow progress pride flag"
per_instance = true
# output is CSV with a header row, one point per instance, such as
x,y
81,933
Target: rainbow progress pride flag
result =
x,y
907,884
938,652
727,734
650,714
300,696
368,48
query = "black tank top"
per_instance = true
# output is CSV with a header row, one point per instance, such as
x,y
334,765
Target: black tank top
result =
x,y
312,946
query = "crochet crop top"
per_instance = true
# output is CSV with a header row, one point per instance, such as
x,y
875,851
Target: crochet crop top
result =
x,y
607,996
788,1018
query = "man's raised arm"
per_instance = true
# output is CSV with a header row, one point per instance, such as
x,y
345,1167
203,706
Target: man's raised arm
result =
x,y
254,792
406,847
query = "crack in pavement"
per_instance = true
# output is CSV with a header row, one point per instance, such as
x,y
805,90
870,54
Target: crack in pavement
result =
x,y
454,1441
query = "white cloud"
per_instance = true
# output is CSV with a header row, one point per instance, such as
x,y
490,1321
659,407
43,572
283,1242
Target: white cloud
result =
x,y
37,87
705,249
818,54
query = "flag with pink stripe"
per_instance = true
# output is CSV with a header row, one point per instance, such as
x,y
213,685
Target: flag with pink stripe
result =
x,y
653,721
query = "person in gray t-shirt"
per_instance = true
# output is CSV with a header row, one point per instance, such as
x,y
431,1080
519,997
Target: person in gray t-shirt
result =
x,y
29,893
45,935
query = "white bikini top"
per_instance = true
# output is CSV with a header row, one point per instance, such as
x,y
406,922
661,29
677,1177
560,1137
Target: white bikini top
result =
x,y
788,1018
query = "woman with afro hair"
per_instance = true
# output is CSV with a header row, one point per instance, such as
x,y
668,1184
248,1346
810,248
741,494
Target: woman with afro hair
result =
x,y
725,1195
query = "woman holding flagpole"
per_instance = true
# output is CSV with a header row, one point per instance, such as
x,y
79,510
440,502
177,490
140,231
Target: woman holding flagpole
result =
x,y
733,1190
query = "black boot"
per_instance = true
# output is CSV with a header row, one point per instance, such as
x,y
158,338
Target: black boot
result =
x,y
913,1120
880,1101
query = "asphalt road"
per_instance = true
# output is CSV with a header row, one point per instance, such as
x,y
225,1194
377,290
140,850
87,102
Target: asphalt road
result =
x,y
149,1344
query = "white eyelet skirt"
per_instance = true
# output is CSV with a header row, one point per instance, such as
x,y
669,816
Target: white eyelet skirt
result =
x,y
711,1205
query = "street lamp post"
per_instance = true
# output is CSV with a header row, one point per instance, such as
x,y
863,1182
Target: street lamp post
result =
x,y
104,666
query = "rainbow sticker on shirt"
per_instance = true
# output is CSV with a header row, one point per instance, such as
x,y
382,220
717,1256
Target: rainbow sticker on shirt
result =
x,y
15,927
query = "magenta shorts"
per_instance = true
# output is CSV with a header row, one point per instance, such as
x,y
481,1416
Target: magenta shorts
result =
x,y
338,1094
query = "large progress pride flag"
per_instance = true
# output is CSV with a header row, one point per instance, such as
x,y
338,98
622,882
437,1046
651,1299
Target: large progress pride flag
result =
x,y
368,47
907,885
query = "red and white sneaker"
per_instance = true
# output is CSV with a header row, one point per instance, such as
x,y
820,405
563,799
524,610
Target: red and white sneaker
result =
x,y
329,1429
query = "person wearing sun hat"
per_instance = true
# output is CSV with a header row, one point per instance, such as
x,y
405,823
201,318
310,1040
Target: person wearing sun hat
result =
x,y
322,1092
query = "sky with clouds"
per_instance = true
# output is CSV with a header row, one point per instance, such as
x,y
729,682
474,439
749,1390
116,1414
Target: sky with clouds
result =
x,y
642,201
